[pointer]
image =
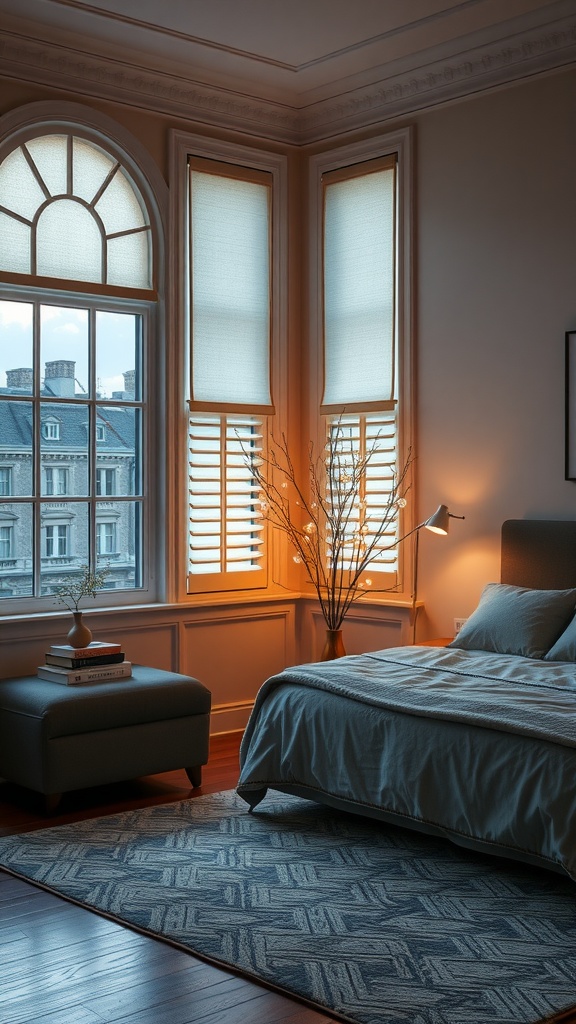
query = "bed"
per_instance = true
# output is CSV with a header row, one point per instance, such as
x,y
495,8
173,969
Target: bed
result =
x,y
475,742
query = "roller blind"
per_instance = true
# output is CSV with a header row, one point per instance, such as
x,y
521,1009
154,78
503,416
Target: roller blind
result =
x,y
359,286
230,291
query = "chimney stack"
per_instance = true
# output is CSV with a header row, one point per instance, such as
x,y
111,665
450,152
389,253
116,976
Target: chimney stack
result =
x,y
59,377
21,378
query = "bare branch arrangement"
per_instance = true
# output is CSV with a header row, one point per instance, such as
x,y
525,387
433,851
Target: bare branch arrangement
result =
x,y
88,584
334,534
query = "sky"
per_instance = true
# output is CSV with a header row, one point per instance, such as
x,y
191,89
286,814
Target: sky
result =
x,y
64,335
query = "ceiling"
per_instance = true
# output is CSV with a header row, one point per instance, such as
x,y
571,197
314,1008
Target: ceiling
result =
x,y
297,57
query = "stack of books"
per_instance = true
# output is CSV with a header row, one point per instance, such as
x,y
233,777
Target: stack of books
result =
x,y
99,661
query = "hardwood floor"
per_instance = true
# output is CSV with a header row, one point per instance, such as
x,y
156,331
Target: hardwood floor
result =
x,y
64,965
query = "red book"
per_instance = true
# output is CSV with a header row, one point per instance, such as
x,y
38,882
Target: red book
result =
x,y
93,650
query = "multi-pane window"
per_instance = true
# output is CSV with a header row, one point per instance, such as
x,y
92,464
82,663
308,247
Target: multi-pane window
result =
x,y
105,479
59,390
56,540
5,542
51,430
55,480
229,312
73,362
106,539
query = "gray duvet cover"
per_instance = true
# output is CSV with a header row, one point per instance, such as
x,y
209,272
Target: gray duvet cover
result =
x,y
478,747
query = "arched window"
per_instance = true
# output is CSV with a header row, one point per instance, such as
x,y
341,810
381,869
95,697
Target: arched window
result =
x,y
68,209
80,234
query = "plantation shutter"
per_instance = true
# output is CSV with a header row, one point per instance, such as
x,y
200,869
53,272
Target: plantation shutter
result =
x,y
226,529
374,433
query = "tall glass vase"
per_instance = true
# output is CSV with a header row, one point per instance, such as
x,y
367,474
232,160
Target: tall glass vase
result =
x,y
79,635
334,646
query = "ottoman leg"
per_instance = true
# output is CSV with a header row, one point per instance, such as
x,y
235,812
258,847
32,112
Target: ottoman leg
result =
x,y
195,775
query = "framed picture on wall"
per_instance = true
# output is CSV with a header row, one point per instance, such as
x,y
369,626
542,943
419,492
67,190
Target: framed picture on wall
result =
x,y
570,444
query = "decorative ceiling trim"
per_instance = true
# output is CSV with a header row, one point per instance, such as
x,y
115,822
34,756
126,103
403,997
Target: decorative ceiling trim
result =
x,y
64,68
481,68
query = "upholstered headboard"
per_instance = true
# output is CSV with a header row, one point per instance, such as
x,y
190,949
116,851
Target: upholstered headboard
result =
x,y
539,553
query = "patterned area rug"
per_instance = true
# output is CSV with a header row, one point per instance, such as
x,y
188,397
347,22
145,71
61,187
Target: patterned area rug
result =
x,y
374,923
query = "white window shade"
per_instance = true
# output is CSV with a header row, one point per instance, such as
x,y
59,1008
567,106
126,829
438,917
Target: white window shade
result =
x,y
70,211
359,289
49,153
230,301
69,243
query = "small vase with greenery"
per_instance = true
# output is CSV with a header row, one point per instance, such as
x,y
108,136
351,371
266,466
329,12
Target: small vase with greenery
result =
x,y
71,593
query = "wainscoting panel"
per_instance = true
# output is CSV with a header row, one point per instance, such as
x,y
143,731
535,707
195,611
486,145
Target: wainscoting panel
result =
x,y
234,654
365,628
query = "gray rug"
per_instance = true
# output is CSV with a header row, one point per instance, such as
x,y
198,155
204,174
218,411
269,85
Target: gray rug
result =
x,y
374,923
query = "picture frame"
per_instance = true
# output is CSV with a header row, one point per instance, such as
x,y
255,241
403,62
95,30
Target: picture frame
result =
x,y
570,406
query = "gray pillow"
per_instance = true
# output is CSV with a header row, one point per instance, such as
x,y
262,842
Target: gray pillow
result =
x,y
515,620
565,647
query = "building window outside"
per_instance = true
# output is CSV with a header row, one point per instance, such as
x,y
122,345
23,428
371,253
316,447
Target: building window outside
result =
x,y
105,482
55,480
106,539
56,543
51,430
72,370
5,542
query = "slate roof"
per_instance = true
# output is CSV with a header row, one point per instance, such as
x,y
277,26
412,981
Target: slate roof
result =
x,y
16,427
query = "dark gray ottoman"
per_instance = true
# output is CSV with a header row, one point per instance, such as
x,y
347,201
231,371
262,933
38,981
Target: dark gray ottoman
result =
x,y
56,738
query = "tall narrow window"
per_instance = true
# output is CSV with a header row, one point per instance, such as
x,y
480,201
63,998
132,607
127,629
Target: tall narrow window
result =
x,y
73,360
5,542
5,481
230,344
363,323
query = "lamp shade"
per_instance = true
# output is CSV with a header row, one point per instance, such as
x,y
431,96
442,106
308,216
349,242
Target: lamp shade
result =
x,y
439,521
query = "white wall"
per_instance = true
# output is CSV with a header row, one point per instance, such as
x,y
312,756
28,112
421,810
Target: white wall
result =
x,y
496,291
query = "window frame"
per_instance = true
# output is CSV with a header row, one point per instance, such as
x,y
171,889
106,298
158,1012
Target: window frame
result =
x,y
46,118
349,160
6,487
186,145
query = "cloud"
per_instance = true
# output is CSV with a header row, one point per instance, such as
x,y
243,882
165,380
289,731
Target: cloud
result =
x,y
15,314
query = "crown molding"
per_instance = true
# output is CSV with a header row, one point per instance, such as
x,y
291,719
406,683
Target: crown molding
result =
x,y
84,74
481,68
64,68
